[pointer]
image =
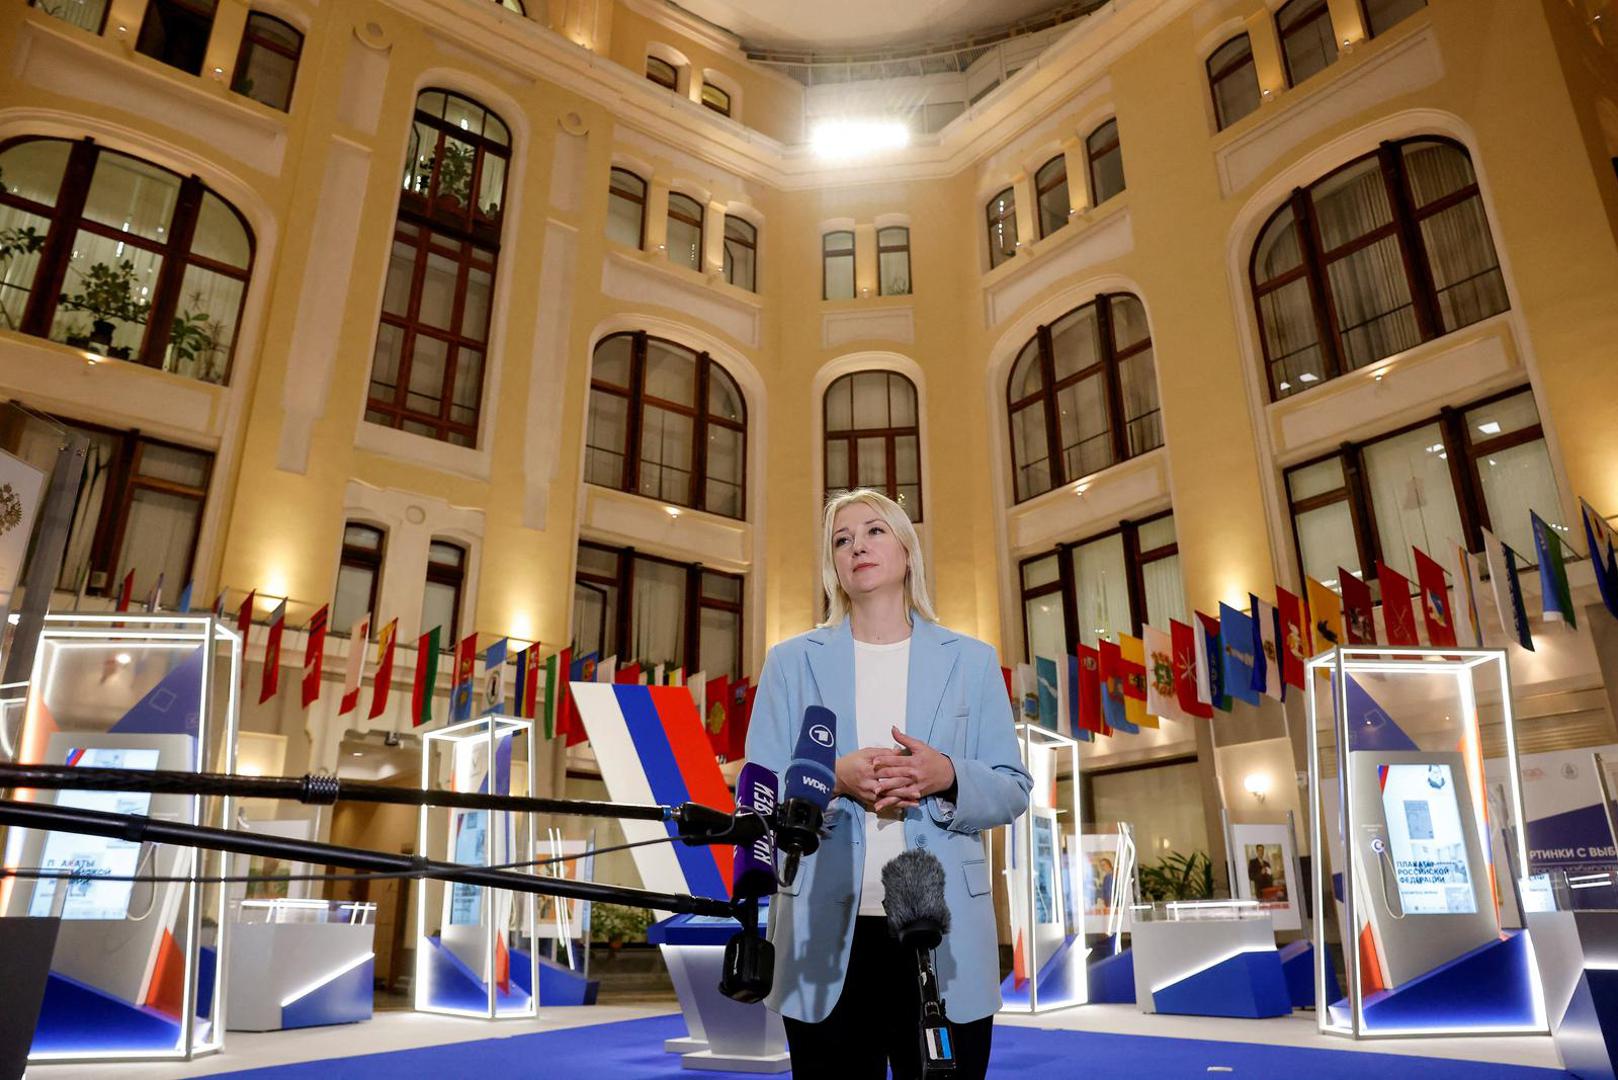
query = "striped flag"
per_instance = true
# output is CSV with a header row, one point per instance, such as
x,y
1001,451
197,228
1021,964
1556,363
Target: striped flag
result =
x,y
359,639
494,677
1267,650
530,683
1556,597
1502,564
1132,650
314,652
272,653
1603,554
383,679
557,668
1467,619
421,689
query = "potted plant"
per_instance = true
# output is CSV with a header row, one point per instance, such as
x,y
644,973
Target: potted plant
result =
x,y
194,340
108,294
1178,877
14,242
455,176
616,924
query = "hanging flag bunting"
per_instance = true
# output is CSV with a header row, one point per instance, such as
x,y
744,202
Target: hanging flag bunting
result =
x,y
219,605
183,604
606,670
738,728
1469,624
1267,678
1556,596
1064,696
1133,651
629,675
1603,545
1113,711
421,688
1502,564
1398,614
244,617
1073,685
1089,715
1049,694
154,599
272,653
382,681
1359,621
715,712
1436,611
460,697
556,669
1210,663
314,654
125,590
1325,617
1190,686
1160,696
530,683
568,723
519,704
1294,636
359,639
1236,636
494,677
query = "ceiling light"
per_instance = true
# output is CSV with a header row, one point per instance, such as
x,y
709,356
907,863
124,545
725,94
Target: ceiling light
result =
x,y
854,138
123,658
1308,376
1490,427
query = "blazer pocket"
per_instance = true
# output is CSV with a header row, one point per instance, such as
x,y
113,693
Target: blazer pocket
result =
x,y
977,877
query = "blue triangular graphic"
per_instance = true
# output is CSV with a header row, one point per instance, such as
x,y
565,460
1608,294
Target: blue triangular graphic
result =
x,y
172,707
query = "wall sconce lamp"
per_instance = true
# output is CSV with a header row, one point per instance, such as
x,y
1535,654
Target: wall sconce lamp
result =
x,y
1257,785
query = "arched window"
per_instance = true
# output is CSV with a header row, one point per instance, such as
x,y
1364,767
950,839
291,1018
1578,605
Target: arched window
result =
x,y
684,240
1050,192
1233,79
666,422
1387,251
1002,214
1106,162
109,253
741,253
427,374
176,32
359,574
1308,44
446,580
1382,15
662,72
837,265
626,209
716,99
872,437
267,63
1083,395
893,260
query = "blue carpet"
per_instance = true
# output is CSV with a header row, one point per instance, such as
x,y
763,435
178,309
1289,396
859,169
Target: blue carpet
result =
x,y
634,1048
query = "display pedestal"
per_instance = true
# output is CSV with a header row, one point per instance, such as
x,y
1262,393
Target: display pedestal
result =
x,y
300,963
725,1035
1198,963
1581,997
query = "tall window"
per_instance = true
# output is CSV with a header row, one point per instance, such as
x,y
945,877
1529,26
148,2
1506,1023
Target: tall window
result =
x,y
359,573
1233,78
626,209
682,414
88,15
1113,583
1388,251
1002,214
1083,395
662,72
176,32
872,437
427,374
1050,192
1106,162
837,265
1308,44
1381,15
685,231
741,253
111,254
893,261
441,598
268,61
677,614
716,99
1428,484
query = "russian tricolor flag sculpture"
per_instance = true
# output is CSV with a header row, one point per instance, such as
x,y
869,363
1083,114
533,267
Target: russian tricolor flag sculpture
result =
x,y
652,748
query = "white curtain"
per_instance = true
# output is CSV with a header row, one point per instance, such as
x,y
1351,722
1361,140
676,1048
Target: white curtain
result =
x,y
657,614
1372,295
1460,250
1413,496
1101,589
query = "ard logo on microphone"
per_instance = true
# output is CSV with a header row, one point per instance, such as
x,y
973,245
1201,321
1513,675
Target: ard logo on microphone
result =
x,y
822,735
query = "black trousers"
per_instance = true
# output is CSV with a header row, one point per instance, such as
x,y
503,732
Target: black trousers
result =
x,y
877,1020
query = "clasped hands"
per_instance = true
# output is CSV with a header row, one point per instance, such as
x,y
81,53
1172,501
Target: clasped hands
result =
x,y
882,776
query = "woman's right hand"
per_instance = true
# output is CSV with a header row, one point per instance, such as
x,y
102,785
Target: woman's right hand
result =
x,y
856,776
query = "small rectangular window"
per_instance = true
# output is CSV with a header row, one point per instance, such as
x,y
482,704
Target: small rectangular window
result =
x,y
1050,191
1233,78
88,15
893,261
715,99
1002,220
662,73
176,32
837,259
741,253
268,61
684,233
1308,44
1106,162
1383,15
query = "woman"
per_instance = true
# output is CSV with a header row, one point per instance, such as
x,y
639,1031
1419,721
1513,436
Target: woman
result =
x,y
927,758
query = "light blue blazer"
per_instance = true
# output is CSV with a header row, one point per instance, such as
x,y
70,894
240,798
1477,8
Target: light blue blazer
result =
x,y
956,702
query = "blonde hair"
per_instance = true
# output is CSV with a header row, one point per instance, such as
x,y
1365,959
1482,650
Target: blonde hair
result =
x,y
915,584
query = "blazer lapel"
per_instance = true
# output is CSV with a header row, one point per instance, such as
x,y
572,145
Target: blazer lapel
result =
x,y
932,659
831,663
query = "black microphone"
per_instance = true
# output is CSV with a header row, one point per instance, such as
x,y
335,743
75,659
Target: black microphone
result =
x,y
749,964
811,776
913,888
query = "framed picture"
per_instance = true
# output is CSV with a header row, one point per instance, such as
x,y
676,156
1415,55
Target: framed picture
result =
x,y
1265,871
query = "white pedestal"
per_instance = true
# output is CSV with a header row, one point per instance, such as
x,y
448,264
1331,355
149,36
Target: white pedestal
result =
x,y
1166,952
724,1034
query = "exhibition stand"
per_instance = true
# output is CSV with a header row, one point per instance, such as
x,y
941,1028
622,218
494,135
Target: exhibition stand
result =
x,y
300,963
723,1034
1207,958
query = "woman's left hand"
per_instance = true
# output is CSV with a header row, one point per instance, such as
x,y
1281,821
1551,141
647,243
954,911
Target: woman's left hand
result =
x,y
906,779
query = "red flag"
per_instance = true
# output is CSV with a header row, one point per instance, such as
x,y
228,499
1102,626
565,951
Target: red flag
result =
x,y
1397,613
716,715
460,695
421,690
126,590
1005,677
1185,671
568,723
739,724
244,618
1089,718
1359,620
627,675
272,653
1294,640
384,668
1435,609
528,692
314,653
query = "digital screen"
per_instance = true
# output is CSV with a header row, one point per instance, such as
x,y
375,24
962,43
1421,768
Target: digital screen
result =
x,y
1044,870
471,836
1427,840
95,856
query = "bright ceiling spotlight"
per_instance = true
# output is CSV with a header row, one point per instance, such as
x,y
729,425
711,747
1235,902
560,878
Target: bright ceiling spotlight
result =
x,y
855,138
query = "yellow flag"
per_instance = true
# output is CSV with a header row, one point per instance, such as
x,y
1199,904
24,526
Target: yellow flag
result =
x,y
1133,652
1325,618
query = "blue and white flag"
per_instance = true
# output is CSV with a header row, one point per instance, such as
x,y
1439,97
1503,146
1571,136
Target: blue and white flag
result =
x,y
1236,646
1266,652
494,678
1603,554
1502,564
183,605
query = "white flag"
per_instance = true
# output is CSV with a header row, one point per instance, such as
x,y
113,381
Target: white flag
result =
x,y
359,636
607,669
1268,660
1161,698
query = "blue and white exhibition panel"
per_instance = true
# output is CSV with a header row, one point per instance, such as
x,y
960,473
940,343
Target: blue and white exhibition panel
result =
x,y
723,1034
300,963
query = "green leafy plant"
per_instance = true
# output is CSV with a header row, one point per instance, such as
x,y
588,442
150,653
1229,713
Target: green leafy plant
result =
x,y
109,293
455,171
616,924
1178,877
194,339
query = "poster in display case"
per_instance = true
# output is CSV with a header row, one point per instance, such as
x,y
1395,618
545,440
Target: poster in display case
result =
x,y
1265,870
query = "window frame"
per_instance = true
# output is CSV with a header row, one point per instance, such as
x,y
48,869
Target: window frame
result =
x,y
1042,187
904,248
438,574
106,9
1315,11
998,221
188,8
242,56
614,191
749,242
1093,155
1230,69
363,559
713,106
696,600
637,399
827,254
1313,266
674,73
1371,30
889,435
685,219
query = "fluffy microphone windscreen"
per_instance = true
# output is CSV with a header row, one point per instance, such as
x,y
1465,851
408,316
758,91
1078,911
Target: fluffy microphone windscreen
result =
x,y
914,886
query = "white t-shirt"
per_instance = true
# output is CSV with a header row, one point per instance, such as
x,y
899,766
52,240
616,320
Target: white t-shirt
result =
x,y
881,681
